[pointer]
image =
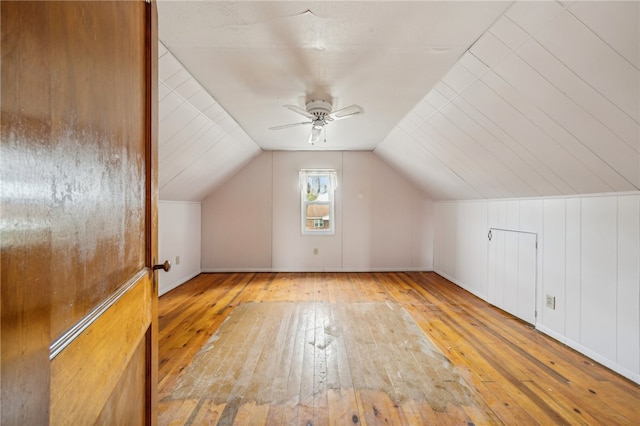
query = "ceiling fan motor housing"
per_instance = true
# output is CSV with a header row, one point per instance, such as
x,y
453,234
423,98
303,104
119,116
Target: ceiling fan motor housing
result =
x,y
320,109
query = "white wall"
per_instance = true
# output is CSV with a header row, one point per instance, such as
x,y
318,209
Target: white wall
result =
x,y
588,258
253,221
179,233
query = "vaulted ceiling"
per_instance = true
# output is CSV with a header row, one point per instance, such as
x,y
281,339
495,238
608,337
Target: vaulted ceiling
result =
x,y
468,100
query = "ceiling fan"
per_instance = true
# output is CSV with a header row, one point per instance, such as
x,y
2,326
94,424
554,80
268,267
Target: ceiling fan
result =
x,y
319,112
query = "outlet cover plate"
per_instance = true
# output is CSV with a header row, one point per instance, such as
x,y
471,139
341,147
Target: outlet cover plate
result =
x,y
550,301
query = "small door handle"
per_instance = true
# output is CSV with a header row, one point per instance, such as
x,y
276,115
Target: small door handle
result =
x,y
164,266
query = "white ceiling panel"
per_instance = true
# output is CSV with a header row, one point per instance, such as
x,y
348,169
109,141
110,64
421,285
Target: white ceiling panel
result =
x,y
615,22
254,57
503,182
532,171
421,168
560,151
509,33
196,151
588,171
467,100
595,136
212,170
178,79
532,16
459,78
436,100
168,103
189,154
576,89
168,65
184,138
533,146
163,91
515,176
472,64
176,120
594,61
490,50
455,160
188,88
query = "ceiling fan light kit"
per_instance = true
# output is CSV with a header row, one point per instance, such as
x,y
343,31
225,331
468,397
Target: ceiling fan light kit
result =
x,y
319,112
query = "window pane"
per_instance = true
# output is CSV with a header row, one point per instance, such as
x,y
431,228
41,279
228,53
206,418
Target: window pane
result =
x,y
317,217
317,188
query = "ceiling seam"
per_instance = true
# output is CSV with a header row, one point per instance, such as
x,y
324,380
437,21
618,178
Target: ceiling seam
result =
x,y
517,140
490,120
488,152
568,9
526,117
199,84
579,140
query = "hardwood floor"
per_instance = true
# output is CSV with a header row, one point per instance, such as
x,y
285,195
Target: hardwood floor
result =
x,y
368,348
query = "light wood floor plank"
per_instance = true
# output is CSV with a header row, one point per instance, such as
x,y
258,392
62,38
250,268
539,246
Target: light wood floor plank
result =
x,y
332,348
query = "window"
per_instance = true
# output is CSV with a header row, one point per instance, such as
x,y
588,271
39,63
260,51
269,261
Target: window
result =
x,y
316,194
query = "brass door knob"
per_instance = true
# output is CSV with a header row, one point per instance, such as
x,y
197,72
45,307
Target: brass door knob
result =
x,y
164,266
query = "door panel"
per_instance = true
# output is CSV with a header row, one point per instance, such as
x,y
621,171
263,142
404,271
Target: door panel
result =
x,y
85,374
78,158
126,405
512,272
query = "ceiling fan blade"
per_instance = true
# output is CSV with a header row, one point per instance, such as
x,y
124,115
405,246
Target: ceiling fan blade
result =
x,y
300,111
347,112
286,126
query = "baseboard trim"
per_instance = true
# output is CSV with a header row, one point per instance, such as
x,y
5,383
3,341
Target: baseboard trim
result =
x,y
623,371
231,270
461,285
178,283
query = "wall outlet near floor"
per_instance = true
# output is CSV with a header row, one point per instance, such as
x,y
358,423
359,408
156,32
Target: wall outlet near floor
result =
x,y
315,251
177,260
550,301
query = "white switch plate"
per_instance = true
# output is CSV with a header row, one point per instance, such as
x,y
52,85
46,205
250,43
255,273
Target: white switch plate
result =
x,y
177,260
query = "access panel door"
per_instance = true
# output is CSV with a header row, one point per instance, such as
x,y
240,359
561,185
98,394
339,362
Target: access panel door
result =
x,y
512,272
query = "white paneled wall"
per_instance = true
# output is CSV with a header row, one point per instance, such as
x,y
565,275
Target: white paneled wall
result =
x,y
179,236
461,241
252,222
588,259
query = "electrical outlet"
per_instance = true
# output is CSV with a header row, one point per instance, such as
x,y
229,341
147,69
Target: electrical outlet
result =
x,y
550,301
177,260
315,251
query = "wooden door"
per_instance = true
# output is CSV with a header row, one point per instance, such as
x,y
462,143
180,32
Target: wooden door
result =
x,y
78,235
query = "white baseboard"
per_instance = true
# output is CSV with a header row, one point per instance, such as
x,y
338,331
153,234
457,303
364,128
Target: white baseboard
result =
x,y
178,283
461,285
631,375
623,371
402,269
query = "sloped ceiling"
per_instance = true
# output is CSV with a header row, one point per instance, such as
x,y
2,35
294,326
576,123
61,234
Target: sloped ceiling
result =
x,y
545,103
200,144
466,99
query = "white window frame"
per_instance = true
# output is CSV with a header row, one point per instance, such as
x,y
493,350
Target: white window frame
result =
x,y
304,202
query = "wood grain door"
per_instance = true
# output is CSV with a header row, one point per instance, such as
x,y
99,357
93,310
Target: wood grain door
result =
x,y
78,235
